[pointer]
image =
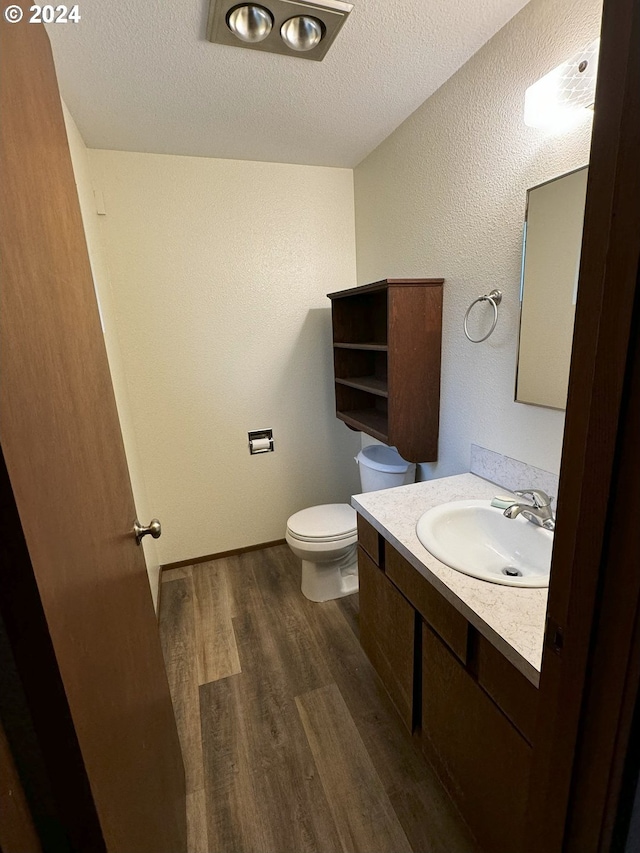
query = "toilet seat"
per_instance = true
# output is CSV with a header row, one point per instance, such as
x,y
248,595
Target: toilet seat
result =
x,y
324,523
321,539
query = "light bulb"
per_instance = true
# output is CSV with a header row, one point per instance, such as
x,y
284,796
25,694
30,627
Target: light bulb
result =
x,y
250,23
302,33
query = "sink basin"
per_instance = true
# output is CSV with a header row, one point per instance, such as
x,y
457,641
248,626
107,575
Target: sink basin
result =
x,y
475,538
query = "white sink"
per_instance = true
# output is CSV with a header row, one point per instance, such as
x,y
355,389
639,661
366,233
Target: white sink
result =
x,y
475,538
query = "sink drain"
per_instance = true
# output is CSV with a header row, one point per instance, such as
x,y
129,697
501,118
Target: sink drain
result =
x,y
510,572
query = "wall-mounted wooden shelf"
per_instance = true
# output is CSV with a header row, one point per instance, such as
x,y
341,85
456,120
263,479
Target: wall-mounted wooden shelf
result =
x,y
386,346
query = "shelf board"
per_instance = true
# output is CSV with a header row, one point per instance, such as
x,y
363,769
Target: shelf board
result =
x,y
371,384
364,346
371,421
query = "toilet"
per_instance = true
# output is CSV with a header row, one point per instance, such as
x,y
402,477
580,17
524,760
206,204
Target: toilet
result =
x,y
325,537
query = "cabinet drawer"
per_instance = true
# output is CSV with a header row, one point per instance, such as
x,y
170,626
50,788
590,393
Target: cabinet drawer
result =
x,y
445,620
479,755
387,634
369,540
509,688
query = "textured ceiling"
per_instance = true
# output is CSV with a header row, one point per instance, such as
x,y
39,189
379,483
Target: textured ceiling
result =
x,y
139,75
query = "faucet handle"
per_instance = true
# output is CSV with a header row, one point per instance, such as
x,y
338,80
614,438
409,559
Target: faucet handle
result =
x,y
540,499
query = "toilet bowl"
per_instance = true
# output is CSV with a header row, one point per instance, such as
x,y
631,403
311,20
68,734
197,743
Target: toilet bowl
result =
x,y
325,537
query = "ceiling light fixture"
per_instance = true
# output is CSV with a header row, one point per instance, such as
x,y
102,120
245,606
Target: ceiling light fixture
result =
x,y
301,33
251,24
302,28
564,97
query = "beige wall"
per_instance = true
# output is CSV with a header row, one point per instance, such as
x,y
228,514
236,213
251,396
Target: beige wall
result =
x,y
102,284
219,272
445,195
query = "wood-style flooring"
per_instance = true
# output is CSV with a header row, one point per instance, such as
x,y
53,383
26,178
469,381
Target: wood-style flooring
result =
x,y
290,743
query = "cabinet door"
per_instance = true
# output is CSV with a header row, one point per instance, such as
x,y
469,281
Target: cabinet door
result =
x,y
516,697
442,617
370,541
387,632
482,759
415,332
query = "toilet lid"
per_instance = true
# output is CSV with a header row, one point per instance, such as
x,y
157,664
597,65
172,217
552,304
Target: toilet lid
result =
x,y
328,521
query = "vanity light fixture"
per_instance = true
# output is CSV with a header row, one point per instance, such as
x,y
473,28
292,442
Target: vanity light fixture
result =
x,y
288,27
564,97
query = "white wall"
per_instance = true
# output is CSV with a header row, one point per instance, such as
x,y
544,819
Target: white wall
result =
x,y
219,271
102,285
445,195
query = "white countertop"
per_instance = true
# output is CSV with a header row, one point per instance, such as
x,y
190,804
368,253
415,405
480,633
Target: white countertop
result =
x,y
511,618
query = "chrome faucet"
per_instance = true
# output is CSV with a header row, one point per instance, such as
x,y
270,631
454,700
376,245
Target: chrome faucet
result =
x,y
539,512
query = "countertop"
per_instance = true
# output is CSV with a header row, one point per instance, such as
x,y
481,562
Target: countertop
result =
x,y
511,618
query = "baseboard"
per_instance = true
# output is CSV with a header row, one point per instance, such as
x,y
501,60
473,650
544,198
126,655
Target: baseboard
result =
x,y
181,564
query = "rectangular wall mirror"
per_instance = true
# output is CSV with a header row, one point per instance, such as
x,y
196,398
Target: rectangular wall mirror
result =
x,y
551,261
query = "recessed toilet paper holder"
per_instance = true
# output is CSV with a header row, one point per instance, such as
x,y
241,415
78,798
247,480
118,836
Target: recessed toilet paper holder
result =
x,y
260,441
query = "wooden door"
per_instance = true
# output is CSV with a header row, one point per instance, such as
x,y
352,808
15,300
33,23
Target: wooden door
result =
x,y
591,664
65,459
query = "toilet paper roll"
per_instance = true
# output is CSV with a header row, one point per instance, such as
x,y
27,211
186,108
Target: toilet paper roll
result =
x,y
260,445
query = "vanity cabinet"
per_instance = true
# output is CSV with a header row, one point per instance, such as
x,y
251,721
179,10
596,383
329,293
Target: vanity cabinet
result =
x,y
472,711
387,634
481,758
387,623
386,344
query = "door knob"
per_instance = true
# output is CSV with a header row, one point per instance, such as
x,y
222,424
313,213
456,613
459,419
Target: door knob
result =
x,y
154,529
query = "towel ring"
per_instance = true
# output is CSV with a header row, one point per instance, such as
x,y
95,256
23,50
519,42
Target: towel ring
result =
x,y
495,298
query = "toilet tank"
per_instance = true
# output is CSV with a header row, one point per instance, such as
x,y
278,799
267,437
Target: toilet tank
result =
x,y
382,467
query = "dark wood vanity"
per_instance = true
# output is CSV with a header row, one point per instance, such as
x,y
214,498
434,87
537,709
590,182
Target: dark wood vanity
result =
x,y
472,711
386,343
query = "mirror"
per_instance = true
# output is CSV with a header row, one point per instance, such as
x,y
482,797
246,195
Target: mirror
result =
x,y
550,266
